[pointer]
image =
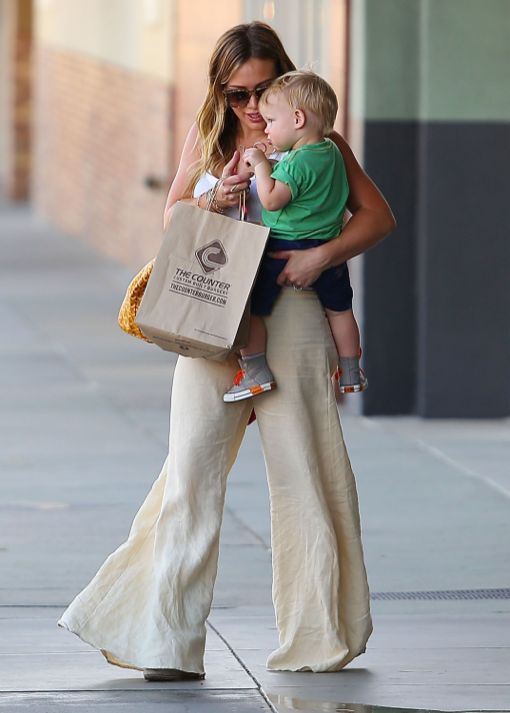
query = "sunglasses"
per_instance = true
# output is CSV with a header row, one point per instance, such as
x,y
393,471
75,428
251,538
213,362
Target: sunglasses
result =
x,y
241,97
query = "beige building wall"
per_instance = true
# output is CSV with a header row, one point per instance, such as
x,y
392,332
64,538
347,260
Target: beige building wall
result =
x,y
135,35
102,118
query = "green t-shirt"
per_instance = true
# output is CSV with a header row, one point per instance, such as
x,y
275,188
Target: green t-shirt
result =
x,y
315,174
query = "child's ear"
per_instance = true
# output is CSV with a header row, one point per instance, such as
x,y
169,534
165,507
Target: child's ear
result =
x,y
299,118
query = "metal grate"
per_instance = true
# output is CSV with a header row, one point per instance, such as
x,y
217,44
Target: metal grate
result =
x,y
446,594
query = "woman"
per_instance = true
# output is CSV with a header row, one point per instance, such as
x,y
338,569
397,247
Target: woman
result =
x,y
146,607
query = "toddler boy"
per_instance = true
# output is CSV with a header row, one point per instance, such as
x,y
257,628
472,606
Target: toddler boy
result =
x,y
303,199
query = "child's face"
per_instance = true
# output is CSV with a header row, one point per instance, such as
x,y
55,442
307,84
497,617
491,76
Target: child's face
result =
x,y
280,121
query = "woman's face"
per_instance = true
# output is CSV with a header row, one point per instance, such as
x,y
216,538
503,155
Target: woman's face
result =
x,y
251,75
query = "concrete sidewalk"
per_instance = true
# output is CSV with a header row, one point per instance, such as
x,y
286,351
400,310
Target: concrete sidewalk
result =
x,y
84,429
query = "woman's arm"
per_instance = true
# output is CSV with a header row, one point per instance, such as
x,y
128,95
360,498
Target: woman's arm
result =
x,y
178,189
225,198
372,219
370,222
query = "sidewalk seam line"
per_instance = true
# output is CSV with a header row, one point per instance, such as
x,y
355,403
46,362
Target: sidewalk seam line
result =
x,y
441,456
434,451
252,532
243,665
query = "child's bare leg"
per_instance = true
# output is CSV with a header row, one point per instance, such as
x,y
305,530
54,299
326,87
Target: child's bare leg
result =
x,y
256,376
345,332
257,337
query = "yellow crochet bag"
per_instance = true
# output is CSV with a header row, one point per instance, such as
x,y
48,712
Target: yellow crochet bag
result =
x,y
131,302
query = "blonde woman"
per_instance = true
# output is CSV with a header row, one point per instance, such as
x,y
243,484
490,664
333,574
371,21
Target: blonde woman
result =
x,y
147,606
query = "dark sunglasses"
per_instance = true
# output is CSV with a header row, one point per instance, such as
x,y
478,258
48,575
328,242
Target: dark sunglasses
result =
x,y
241,97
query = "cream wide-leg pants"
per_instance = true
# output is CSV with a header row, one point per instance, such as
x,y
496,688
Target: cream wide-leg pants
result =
x,y
148,603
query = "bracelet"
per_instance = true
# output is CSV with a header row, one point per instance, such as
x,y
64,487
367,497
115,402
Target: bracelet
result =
x,y
212,202
199,197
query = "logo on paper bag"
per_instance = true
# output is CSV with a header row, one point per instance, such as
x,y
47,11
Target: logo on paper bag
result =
x,y
211,256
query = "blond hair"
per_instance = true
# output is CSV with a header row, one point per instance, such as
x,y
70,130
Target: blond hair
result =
x,y
217,124
307,91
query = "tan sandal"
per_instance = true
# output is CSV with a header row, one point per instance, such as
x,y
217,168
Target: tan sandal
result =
x,y
171,674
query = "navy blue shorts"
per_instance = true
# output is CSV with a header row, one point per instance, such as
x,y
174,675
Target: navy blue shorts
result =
x,y
333,286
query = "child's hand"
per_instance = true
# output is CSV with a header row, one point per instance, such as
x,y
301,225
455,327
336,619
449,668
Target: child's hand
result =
x,y
252,157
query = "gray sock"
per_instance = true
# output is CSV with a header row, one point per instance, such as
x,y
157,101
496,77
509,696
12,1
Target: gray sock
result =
x,y
350,370
251,357
256,366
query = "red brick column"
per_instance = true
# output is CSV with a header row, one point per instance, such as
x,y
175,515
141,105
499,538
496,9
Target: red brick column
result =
x,y
16,173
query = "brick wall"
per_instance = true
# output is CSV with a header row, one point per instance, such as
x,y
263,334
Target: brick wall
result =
x,y
21,159
99,131
15,99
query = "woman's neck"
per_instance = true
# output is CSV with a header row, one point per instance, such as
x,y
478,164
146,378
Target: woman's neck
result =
x,y
247,138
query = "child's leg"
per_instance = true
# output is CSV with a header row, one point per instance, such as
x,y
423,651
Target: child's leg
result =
x,y
345,332
255,376
257,337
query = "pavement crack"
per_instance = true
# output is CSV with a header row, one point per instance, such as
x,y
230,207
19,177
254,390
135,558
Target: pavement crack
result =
x,y
244,666
252,532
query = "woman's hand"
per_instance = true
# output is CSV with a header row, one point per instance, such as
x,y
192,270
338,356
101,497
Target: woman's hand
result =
x,y
232,182
303,266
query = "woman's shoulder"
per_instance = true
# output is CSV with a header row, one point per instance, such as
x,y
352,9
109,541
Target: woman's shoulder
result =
x,y
191,146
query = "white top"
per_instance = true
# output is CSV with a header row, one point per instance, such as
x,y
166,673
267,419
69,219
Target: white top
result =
x,y
207,181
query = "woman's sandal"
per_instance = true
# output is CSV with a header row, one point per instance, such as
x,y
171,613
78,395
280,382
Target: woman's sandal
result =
x,y
171,674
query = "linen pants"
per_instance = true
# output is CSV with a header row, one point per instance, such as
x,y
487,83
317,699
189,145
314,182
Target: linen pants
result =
x,y
148,603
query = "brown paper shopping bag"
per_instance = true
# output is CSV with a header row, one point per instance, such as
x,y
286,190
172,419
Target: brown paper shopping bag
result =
x,y
200,283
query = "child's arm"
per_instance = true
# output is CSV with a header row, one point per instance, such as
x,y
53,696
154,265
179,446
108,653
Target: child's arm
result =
x,y
273,194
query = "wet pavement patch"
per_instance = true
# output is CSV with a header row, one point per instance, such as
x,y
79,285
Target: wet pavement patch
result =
x,y
289,703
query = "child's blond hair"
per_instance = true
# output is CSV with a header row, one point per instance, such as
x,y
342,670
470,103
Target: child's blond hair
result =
x,y
307,91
